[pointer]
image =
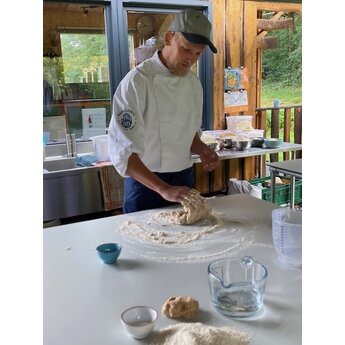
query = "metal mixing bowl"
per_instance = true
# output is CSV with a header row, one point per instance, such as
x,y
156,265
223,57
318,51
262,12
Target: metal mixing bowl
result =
x,y
258,142
227,143
242,144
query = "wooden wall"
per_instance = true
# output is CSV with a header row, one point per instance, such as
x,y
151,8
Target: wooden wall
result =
x,y
235,35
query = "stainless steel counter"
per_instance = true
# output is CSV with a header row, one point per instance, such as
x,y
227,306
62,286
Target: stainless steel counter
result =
x,y
255,151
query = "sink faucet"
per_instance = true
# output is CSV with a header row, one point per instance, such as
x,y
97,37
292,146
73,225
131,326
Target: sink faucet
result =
x,y
71,145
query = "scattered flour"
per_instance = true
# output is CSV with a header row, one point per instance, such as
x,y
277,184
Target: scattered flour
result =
x,y
200,334
194,233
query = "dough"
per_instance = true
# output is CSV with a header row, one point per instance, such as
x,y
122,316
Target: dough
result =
x,y
195,208
177,307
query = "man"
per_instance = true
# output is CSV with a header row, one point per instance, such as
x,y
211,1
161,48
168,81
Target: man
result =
x,y
157,114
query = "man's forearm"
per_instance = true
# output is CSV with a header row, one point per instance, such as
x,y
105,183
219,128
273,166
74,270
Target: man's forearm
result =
x,y
138,170
197,145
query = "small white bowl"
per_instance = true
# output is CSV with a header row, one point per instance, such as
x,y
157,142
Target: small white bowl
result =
x,y
139,321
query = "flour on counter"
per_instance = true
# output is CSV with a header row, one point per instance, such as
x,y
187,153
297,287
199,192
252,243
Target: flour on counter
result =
x,y
166,236
200,334
148,234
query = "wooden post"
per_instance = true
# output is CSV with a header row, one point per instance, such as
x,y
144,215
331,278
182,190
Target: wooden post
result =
x,y
249,53
298,129
287,129
274,131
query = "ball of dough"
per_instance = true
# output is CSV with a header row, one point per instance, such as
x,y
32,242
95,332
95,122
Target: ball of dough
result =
x,y
177,307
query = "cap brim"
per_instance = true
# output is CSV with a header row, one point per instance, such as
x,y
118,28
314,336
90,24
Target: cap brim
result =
x,y
194,38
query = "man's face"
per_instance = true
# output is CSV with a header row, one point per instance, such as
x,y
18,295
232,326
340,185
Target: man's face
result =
x,y
181,53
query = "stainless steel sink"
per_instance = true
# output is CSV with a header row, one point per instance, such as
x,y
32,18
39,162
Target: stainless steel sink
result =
x,y
65,163
70,190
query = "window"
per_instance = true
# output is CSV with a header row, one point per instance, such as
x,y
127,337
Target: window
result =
x,y
75,70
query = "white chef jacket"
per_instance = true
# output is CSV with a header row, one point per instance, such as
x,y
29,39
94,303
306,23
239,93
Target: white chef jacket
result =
x,y
156,115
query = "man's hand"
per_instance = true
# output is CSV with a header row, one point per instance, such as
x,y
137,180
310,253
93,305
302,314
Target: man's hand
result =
x,y
174,193
209,159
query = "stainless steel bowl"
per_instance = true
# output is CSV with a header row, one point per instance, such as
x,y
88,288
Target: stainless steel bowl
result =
x,y
227,143
242,144
258,142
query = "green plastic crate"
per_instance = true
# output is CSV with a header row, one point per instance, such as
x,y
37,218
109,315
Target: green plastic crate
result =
x,y
282,191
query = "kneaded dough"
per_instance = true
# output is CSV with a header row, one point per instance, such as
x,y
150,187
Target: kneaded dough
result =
x,y
195,207
177,307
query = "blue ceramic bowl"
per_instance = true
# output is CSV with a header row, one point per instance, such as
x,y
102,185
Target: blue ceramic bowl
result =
x,y
272,143
109,252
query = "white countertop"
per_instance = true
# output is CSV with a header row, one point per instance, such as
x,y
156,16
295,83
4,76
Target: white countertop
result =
x,y
83,297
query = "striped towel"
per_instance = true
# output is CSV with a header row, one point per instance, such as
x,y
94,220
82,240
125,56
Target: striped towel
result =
x,y
112,185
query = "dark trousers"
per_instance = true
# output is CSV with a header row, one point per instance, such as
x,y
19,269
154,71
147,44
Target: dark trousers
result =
x,y
137,197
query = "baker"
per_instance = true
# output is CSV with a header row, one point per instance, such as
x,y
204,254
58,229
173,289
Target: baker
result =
x,y
156,119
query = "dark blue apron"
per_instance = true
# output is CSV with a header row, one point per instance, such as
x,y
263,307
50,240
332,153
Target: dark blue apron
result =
x,y
137,197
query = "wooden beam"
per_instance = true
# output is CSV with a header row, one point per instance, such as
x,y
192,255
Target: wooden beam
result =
x,y
269,25
276,16
267,43
280,6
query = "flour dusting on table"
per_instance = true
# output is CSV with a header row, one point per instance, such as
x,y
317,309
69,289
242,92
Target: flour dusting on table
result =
x,y
200,334
166,236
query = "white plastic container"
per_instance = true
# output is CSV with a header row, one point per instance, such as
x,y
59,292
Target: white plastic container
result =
x,y
287,235
239,123
100,143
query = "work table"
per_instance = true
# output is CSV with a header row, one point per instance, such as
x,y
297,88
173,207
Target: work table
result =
x,y
83,297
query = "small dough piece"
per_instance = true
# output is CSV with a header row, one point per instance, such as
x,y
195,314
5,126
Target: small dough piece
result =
x,y
177,307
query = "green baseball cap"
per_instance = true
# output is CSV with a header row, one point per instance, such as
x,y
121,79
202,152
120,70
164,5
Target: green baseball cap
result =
x,y
194,26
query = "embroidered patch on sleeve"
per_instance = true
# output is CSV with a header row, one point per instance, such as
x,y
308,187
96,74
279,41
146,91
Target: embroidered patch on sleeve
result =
x,y
126,119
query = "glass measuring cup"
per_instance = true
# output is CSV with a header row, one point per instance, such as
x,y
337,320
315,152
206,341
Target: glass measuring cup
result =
x,y
237,286
287,236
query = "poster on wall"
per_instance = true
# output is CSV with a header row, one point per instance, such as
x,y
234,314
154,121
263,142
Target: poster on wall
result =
x,y
236,79
236,101
94,122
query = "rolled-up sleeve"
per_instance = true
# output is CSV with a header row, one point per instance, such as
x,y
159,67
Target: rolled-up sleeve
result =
x,y
126,128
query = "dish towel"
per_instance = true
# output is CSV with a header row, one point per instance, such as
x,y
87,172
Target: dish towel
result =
x,y
112,185
86,161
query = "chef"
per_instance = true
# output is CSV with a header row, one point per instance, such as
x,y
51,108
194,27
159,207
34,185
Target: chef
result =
x,y
157,114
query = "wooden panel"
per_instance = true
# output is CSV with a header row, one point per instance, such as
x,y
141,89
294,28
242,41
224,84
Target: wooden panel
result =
x,y
287,129
201,179
217,180
218,62
233,23
298,129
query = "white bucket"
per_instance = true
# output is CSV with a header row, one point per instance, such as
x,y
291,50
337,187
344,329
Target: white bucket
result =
x,y
100,143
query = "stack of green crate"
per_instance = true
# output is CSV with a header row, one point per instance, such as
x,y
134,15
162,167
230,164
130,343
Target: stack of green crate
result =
x,y
282,191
